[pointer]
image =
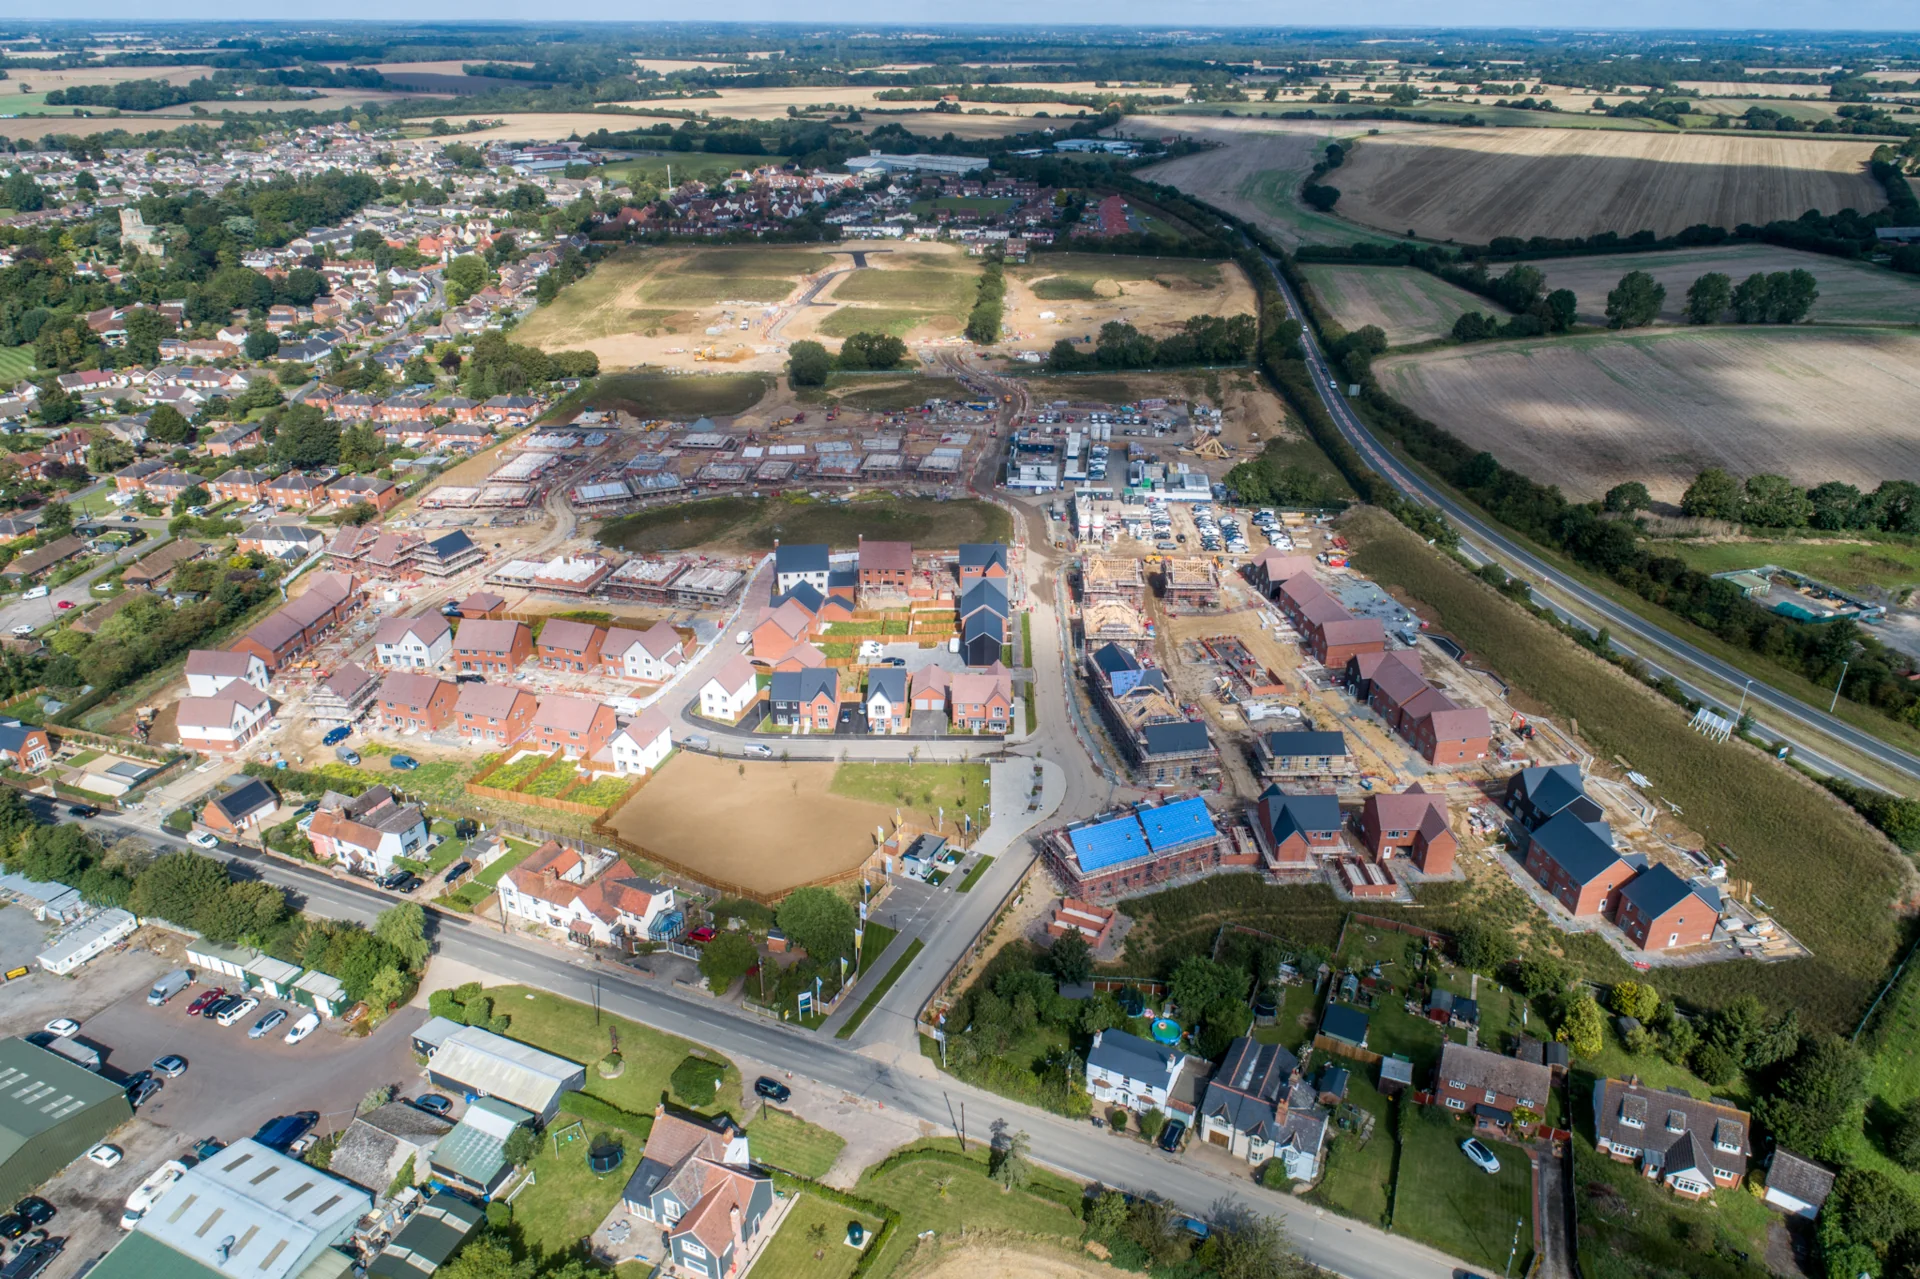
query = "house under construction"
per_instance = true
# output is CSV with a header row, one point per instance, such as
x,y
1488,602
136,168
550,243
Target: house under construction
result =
x,y
1113,577
1191,582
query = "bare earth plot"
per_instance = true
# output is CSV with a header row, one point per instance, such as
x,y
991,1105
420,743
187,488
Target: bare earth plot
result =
x,y
1475,184
917,292
1072,294
1408,305
1588,413
765,827
1850,292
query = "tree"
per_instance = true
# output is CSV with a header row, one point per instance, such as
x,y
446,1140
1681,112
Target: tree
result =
x,y
261,343
819,921
1199,983
1072,958
1582,1025
1903,1142
145,328
1708,298
519,1146
1482,947
1562,309
1713,495
695,1080
466,275
1635,999
1794,293
1106,1215
1472,326
726,959
20,192
1753,300
1816,1097
808,364
56,517
1629,497
1007,1156
386,989
872,351
403,926
189,498
362,512
1537,977
1774,501
167,426
1635,301
487,1256
176,885
374,1098
305,439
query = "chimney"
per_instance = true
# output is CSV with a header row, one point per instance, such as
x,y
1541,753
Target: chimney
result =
x,y
733,1217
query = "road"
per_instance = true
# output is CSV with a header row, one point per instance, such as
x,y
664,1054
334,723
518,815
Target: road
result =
x,y
1658,643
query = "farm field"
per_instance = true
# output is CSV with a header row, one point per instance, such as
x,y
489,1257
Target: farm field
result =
x,y
932,287
752,524
1850,292
762,827
1408,305
772,103
849,320
698,166
653,395
1072,294
1589,412
1472,185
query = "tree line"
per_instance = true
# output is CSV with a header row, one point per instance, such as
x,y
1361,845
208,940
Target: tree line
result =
x,y
1775,502
1202,339
810,364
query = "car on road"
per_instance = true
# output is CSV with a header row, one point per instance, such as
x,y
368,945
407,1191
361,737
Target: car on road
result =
x,y
106,1155
456,870
434,1104
82,810
772,1089
61,1027
35,593
172,1066
1482,1158
35,1209
129,519
302,1028
403,763
63,605
1170,1135
23,629
204,839
238,1011
206,998
336,735
141,1093
759,750
265,1026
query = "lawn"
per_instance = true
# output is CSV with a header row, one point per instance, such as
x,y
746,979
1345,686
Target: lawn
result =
x,y
933,290
872,1001
518,850
791,1253
1443,1200
16,362
928,790
687,167
1289,1029
894,322
790,1143
979,869
749,524
706,289
1893,1076
933,1194
985,204
874,940
604,790
658,395
1356,1175
1892,565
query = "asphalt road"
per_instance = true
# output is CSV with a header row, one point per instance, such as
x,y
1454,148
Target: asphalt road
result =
x,y
1620,621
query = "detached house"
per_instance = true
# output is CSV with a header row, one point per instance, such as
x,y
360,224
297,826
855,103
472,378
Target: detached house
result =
x,y
1490,1087
1292,829
1689,1146
981,700
1257,1107
729,691
654,654
807,697
1139,1074
243,808
640,747
793,565
888,709
25,747
696,1182
555,887
367,831
413,642
1414,821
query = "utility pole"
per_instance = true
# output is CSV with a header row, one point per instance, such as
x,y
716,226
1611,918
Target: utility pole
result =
x,y
1836,688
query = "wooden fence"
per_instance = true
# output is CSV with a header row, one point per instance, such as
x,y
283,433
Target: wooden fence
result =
x,y
558,803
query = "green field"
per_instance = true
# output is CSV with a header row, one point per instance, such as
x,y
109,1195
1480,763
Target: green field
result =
x,y
752,524
1066,277
1442,1199
1409,306
791,1252
688,166
948,1198
928,789
16,362
793,1145
656,395
706,290
1892,565
1893,1078
982,204
895,322
919,287
882,392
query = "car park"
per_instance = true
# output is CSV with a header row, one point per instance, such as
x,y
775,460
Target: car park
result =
x,y
61,1027
266,1025
1482,1158
772,1089
172,1066
434,1104
302,1028
238,1011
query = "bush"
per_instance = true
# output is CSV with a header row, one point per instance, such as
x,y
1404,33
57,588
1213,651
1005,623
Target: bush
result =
x,y
584,1106
1118,1118
1151,1123
695,1080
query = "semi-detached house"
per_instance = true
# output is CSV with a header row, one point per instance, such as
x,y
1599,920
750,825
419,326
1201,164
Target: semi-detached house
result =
x,y
224,722
412,702
577,727
570,646
1139,1074
209,671
654,654
414,642
491,647
1490,1087
494,715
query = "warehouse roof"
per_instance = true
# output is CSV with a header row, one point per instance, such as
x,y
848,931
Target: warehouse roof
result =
x,y
506,1068
39,1090
253,1213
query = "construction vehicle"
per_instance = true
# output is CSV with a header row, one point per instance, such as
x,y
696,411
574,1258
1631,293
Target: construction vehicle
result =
x,y
143,722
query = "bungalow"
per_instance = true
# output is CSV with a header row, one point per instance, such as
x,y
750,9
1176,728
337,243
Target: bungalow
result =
x,y
1490,1086
209,671
1257,1107
1659,911
696,1181
494,715
1414,820
411,702
654,654
282,541
1689,1146
366,831
24,746
639,748
575,726
243,808
224,722
414,642
808,697
1125,1070
492,647
888,710
159,566
1292,829
729,691
1577,862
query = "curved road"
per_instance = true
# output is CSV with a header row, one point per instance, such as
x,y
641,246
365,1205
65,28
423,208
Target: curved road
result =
x,y
1619,620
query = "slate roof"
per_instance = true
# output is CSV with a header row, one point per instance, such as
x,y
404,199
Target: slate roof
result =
x,y
1184,737
1305,815
807,557
888,682
1657,890
1252,1080
1302,741
1344,1023
1120,1053
1576,847
1801,1178
982,555
805,685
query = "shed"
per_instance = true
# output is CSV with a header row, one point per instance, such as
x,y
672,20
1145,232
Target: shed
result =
x,y
427,1039
477,1061
315,990
1396,1075
214,957
274,976
1798,1187
432,1234
1345,1025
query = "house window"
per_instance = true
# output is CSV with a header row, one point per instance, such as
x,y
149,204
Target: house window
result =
x,y
1492,1096
1454,1103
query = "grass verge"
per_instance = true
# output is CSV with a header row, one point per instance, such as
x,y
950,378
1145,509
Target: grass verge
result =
x,y
790,1143
973,876
874,996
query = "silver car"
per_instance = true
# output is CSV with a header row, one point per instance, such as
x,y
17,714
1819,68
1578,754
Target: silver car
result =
x,y
266,1024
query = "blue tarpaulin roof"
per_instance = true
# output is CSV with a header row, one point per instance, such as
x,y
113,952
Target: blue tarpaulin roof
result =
x,y
1108,843
1182,822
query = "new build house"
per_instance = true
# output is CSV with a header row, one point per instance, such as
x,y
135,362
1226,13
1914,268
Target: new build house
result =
x,y
492,647
209,671
654,654
415,702
414,642
729,691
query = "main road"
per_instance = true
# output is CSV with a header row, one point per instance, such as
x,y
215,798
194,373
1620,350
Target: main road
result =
x,y
1492,544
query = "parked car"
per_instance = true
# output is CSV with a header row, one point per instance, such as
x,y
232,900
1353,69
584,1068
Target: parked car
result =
x,y
336,735
346,754
169,986
266,1024
469,677
13,1225
61,1027
302,1028
759,750
35,1209
32,1259
82,810
410,883
278,1134
213,1010
106,1155
23,630
1170,1135
139,1094
238,1011
206,998
701,935
1482,1158
403,763
456,870
172,1066
393,879
772,1089
204,839
434,1104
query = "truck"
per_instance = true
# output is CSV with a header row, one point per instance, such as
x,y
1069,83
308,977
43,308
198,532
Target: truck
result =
x,y
76,1052
169,986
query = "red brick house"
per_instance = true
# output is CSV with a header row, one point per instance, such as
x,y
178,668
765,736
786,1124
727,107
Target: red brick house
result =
x,y
296,490
1490,1087
494,715
1292,829
1414,821
1660,911
570,646
1333,641
240,485
1451,734
411,700
885,568
241,809
492,646
577,727
1577,862
24,746
330,598
981,700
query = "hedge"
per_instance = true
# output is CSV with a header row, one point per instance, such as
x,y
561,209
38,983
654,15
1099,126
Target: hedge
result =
x,y
889,1219
583,1106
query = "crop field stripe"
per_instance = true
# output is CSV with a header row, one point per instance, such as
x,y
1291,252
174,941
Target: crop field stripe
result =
x,y
1407,304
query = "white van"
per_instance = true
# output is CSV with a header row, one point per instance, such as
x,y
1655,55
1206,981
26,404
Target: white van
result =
x,y
37,593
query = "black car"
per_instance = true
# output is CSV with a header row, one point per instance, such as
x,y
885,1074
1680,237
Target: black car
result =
x,y
35,1209
393,879
82,810
469,677
1170,1135
434,1104
31,1260
13,1225
456,870
219,1006
410,883
772,1089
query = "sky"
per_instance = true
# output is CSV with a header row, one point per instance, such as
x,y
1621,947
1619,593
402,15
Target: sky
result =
x,y
1855,15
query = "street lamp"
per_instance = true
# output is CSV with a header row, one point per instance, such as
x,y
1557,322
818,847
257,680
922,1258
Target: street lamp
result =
x,y
1743,700
1836,688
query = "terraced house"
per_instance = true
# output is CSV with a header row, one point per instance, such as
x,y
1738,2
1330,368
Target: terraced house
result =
x,y
330,598
577,727
414,642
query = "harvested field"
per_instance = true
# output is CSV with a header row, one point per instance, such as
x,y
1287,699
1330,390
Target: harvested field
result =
x,y
1072,294
1475,184
763,827
1850,292
1408,305
1752,89
1587,413
768,104
40,126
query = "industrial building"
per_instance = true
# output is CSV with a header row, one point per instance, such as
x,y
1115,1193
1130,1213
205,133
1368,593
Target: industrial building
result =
x,y
51,1112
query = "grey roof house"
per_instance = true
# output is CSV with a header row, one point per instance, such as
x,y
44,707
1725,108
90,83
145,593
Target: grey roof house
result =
x,y
1257,1107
